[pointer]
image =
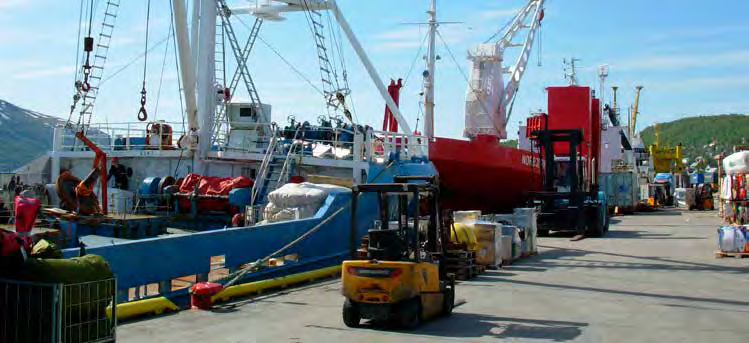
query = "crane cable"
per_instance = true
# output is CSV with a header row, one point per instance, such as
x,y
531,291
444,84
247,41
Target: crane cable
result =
x,y
142,113
283,59
77,95
82,87
88,47
163,64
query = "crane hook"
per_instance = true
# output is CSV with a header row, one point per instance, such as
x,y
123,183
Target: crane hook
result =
x,y
142,113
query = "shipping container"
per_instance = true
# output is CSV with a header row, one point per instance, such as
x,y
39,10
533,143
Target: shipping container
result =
x,y
621,190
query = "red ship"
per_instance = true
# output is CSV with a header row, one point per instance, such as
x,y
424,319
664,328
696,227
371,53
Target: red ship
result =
x,y
481,174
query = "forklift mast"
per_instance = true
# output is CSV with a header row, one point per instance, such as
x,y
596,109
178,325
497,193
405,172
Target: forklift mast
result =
x,y
546,140
402,242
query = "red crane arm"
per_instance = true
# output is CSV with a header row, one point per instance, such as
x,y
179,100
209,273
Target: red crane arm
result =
x,y
100,161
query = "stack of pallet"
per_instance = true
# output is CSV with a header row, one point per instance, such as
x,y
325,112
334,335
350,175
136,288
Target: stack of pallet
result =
x,y
462,263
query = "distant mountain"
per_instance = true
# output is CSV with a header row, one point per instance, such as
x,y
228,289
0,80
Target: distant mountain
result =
x,y
704,136
24,135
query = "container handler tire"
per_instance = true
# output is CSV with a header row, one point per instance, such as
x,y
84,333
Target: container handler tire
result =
x,y
351,316
595,228
607,222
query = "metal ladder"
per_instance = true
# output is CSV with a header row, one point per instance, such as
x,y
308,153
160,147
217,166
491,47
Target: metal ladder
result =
x,y
265,166
240,54
100,58
219,56
275,173
283,175
328,74
219,59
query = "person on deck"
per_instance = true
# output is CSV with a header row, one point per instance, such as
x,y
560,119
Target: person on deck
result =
x,y
120,173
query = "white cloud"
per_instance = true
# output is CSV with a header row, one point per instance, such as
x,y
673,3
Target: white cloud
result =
x,y
498,13
698,32
412,37
697,83
10,4
406,37
683,61
34,73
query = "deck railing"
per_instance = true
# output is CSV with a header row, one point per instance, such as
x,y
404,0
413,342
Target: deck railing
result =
x,y
318,142
123,136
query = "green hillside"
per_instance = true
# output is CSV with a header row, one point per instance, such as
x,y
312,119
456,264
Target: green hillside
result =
x,y
697,133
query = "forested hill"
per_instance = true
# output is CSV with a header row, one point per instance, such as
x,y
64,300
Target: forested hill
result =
x,y
703,136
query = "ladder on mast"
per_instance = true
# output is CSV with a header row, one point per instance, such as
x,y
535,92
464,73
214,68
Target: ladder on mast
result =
x,y
219,134
240,54
328,75
100,58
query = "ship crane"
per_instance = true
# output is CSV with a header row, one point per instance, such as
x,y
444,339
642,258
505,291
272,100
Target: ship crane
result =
x,y
634,112
489,100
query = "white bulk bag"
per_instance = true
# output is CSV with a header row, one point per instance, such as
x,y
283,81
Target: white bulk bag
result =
x,y
731,239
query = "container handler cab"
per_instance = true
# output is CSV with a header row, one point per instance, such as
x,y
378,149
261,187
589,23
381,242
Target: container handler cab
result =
x,y
403,277
570,199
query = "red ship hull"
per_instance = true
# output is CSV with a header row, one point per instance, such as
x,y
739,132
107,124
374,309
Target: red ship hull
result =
x,y
483,175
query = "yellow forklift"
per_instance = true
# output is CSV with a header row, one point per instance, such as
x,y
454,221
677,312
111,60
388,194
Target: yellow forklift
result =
x,y
402,279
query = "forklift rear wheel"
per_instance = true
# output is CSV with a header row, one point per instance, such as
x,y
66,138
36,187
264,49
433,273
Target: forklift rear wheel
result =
x,y
409,314
351,315
448,302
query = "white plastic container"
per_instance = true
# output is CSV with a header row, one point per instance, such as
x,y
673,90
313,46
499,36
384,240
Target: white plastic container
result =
x,y
737,163
120,201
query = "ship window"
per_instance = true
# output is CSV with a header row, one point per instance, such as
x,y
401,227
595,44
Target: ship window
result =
x,y
245,112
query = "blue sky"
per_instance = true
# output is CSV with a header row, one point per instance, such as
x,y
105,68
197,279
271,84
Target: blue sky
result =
x,y
691,56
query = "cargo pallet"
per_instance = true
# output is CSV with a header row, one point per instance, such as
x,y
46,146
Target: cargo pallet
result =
x,y
462,263
722,254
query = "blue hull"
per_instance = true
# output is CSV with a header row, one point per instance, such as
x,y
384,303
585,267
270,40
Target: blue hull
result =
x,y
160,260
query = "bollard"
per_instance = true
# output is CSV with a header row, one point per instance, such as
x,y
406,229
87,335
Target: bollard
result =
x,y
201,293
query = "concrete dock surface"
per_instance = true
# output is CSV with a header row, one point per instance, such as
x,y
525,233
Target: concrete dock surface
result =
x,y
653,278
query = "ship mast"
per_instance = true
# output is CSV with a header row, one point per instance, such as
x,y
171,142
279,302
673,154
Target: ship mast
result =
x,y
429,72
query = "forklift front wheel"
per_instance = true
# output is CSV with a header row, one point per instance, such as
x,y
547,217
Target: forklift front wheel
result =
x,y
351,315
409,314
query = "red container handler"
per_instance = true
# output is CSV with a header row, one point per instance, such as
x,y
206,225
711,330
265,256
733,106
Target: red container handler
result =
x,y
201,294
595,138
570,108
535,122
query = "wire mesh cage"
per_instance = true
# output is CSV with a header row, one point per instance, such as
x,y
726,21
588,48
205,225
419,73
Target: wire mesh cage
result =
x,y
46,312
